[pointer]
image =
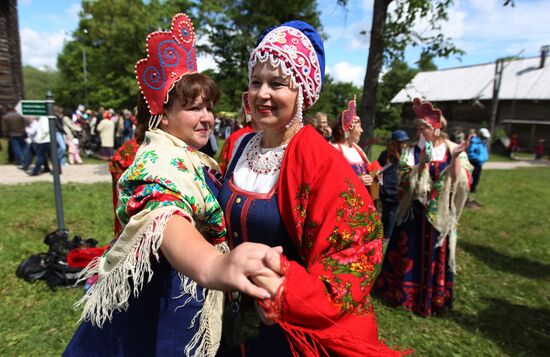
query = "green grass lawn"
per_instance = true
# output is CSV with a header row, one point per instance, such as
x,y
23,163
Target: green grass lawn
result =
x,y
502,295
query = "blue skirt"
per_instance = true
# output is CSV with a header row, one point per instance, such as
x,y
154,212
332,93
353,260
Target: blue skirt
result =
x,y
155,323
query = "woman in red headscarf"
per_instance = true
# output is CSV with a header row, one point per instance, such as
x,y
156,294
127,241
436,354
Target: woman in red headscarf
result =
x,y
418,269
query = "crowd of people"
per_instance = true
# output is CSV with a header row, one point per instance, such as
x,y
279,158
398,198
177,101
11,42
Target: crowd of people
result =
x,y
285,235
82,131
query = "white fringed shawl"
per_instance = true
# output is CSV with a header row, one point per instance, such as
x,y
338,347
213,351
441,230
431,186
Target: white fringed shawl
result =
x,y
443,210
166,178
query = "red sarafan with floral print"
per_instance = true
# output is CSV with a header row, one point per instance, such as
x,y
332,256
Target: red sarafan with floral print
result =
x,y
324,305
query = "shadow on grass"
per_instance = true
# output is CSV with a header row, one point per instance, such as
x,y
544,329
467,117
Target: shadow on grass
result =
x,y
518,330
515,265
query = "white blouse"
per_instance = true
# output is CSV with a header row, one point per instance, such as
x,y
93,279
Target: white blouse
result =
x,y
350,153
247,179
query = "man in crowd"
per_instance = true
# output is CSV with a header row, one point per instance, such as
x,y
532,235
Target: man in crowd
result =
x,y
13,127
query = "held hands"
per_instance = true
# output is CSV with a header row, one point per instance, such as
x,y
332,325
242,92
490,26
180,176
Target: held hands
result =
x,y
247,260
273,279
256,268
270,282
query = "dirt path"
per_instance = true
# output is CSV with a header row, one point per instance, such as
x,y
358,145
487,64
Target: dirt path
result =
x,y
11,175
507,165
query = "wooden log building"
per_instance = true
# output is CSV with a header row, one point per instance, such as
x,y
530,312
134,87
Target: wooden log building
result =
x,y
11,70
464,94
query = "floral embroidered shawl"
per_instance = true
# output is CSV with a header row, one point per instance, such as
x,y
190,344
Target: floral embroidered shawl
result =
x,y
165,178
324,306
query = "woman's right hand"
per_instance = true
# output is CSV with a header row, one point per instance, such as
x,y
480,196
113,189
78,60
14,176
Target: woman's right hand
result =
x,y
367,179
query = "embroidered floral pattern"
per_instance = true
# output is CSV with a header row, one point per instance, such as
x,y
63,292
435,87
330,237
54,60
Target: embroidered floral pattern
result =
x,y
178,162
300,209
172,178
355,251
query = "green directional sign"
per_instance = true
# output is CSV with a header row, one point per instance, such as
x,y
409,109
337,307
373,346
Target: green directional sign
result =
x,y
32,107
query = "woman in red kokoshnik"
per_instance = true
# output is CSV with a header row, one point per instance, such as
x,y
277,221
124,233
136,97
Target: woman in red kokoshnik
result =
x,y
159,286
419,266
347,132
287,186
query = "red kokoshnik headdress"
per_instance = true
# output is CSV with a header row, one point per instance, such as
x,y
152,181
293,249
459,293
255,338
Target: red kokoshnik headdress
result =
x,y
348,116
427,114
170,56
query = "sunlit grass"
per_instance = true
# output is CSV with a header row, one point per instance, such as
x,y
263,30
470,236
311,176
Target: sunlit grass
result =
x,y
502,294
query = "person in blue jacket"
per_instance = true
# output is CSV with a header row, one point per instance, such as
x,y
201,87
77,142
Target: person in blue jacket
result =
x,y
478,154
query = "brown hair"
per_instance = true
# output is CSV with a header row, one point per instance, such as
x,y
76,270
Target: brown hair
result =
x,y
394,151
337,130
187,89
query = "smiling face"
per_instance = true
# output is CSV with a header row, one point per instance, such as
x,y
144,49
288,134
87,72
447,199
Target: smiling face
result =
x,y
191,123
272,96
356,132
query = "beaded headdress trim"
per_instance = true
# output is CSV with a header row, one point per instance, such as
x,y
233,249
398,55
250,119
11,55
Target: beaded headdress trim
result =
x,y
292,51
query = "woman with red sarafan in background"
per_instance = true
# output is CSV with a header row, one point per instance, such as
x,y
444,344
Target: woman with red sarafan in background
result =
x,y
346,133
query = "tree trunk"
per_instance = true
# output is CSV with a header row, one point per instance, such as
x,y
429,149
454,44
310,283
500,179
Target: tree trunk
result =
x,y
374,65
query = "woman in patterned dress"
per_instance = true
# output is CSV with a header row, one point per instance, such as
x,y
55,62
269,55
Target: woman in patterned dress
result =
x,y
419,266
347,132
156,292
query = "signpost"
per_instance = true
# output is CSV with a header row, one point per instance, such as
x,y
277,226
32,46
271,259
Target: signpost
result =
x,y
32,107
45,108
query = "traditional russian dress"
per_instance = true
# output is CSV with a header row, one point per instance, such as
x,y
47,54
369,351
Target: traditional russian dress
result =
x,y
419,265
140,305
318,210
355,156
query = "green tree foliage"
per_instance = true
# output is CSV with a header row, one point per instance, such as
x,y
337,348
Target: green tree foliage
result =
x,y
38,82
392,32
388,115
112,34
428,16
399,74
232,28
334,98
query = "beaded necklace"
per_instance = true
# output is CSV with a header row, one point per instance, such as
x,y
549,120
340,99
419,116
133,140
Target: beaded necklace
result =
x,y
264,161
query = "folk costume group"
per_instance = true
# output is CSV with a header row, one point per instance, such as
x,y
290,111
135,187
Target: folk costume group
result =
x,y
277,257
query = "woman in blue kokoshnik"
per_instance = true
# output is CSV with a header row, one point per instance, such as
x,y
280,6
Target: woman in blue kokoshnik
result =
x,y
286,186
159,287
